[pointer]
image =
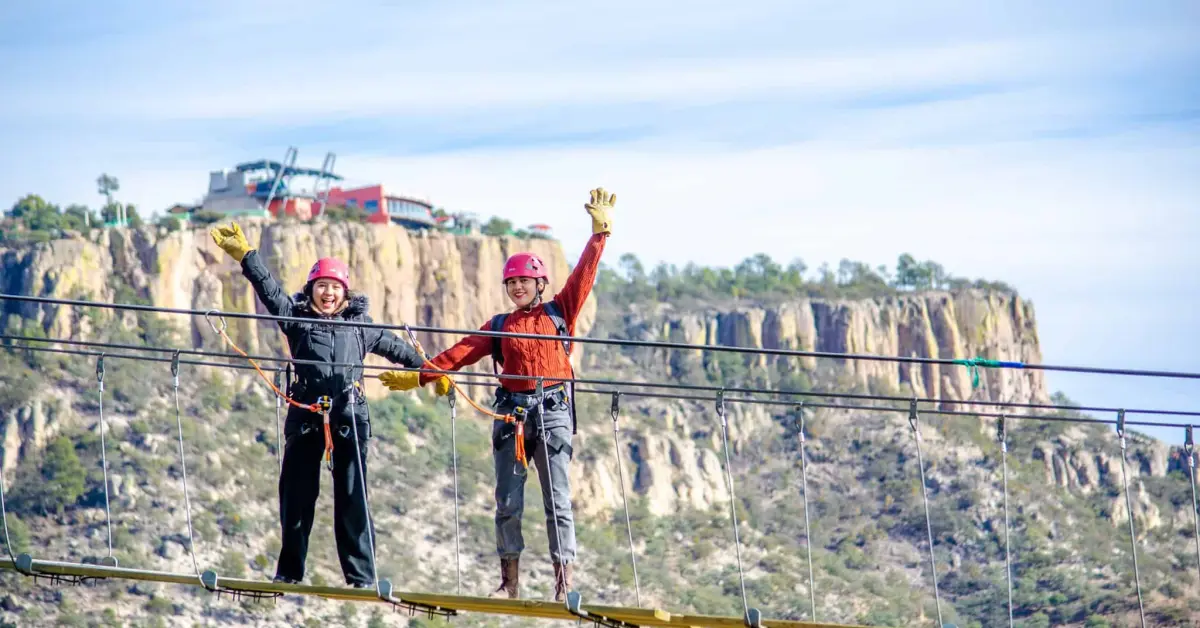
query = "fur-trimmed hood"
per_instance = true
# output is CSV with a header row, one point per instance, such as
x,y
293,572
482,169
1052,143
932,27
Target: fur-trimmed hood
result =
x,y
359,305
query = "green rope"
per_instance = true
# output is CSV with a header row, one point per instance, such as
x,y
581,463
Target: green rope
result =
x,y
973,365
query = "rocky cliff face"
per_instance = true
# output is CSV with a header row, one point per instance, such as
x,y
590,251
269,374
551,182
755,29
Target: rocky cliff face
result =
x,y
671,450
429,279
930,325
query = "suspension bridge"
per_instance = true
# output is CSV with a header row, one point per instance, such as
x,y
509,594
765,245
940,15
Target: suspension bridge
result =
x,y
575,608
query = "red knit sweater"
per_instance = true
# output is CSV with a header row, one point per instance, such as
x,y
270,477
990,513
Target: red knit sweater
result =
x,y
528,356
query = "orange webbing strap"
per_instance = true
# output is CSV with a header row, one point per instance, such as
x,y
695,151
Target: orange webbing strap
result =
x,y
325,405
314,408
507,418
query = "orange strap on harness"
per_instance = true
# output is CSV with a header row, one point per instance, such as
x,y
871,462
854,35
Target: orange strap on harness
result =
x,y
311,407
325,404
507,418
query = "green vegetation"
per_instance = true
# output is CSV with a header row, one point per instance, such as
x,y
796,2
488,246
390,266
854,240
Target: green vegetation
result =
x,y
33,219
497,227
760,277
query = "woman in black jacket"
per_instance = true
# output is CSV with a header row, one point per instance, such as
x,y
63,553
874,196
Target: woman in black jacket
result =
x,y
326,296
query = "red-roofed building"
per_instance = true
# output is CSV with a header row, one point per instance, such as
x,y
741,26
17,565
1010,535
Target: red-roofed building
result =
x,y
382,207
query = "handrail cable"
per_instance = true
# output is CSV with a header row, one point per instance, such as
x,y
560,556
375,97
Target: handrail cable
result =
x,y
654,395
970,363
578,380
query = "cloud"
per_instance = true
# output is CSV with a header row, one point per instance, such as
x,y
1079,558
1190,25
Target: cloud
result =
x,y
1053,146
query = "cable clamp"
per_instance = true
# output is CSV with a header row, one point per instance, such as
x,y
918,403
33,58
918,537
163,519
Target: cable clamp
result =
x,y
100,369
800,420
1121,427
616,405
1189,446
912,416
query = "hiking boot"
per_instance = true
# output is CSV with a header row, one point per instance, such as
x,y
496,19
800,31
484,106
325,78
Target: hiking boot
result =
x,y
562,581
508,579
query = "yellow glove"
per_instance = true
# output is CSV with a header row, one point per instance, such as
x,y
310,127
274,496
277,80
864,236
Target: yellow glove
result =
x,y
442,386
231,240
598,208
400,380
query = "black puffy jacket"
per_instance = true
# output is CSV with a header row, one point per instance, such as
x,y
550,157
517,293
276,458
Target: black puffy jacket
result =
x,y
319,341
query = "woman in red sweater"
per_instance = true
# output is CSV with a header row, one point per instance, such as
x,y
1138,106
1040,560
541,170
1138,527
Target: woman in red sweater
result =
x,y
525,280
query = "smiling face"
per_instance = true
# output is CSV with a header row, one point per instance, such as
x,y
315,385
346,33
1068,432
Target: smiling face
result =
x,y
522,290
328,296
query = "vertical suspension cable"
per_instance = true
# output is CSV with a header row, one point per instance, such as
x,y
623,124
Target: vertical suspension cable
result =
x,y
737,543
616,413
279,382
812,592
1189,447
1137,578
1002,432
540,394
362,480
912,421
187,500
103,452
4,515
452,398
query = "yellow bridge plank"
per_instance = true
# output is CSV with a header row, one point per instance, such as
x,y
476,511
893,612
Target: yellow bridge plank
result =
x,y
502,606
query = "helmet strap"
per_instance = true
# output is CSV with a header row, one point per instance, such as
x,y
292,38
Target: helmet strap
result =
x,y
541,287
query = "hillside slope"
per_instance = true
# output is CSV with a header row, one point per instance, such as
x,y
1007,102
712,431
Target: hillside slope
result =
x,y
1070,535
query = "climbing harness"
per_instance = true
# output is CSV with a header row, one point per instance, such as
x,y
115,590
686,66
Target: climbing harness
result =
x,y
913,422
812,592
187,500
1189,448
616,413
1137,578
552,311
111,560
1002,434
750,616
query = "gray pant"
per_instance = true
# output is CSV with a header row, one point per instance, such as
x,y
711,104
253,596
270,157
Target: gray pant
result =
x,y
556,448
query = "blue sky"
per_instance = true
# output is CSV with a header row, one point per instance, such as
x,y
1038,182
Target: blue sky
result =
x,y
1055,146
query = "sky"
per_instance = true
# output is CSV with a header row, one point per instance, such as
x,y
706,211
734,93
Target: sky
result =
x,y
1053,146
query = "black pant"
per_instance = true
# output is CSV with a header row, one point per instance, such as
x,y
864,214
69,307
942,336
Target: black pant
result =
x,y
300,484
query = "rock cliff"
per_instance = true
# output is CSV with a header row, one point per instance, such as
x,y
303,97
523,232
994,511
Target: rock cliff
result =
x,y
417,279
866,513
942,325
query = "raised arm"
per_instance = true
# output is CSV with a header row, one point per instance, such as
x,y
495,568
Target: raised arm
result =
x,y
265,285
578,286
233,242
579,283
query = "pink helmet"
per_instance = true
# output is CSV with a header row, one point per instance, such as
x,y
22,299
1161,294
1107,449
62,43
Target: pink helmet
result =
x,y
525,265
330,268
